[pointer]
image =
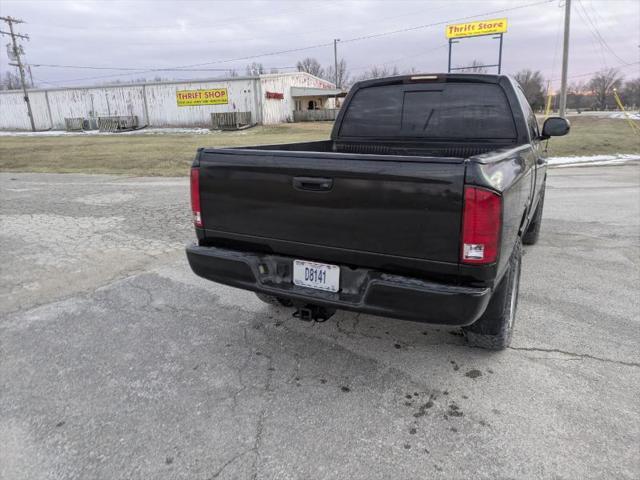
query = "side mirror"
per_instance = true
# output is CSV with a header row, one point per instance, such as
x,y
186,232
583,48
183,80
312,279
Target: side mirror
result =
x,y
555,127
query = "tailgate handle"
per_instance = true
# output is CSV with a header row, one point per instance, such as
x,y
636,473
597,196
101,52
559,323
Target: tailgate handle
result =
x,y
312,184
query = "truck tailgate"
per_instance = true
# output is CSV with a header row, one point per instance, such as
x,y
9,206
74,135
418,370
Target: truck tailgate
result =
x,y
401,206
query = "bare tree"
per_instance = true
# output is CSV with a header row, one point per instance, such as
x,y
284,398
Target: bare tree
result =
x,y
379,72
532,85
255,68
312,66
343,74
11,81
602,86
631,93
577,93
475,67
233,73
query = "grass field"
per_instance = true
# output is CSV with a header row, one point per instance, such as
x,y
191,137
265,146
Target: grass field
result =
x,y
171,154
594,136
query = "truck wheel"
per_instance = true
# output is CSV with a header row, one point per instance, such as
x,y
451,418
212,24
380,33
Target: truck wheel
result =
x,y
271,300
530,237
493,330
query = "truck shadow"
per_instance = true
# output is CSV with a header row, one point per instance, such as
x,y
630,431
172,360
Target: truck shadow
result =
x,y
399,334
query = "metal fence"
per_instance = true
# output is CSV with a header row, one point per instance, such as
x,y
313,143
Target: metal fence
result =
x,y
74,124
117,123
230,120
315,115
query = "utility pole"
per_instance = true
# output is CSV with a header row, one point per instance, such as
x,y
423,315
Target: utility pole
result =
x,y
30,76
16,52
335,59
565,58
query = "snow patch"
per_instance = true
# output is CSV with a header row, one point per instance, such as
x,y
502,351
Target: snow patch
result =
x,y
614,114
615,159
142,131
622,115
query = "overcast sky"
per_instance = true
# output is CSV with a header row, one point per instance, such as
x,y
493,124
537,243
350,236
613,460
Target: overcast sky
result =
x,y
156,34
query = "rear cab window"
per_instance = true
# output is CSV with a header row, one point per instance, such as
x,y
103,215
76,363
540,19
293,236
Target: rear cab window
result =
x,y
460,111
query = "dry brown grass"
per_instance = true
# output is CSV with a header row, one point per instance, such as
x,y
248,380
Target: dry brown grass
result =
x,y
171,154
143,154
592,135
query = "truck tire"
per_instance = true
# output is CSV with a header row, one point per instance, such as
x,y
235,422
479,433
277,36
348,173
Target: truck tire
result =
x,y
493,330
530,237
271,300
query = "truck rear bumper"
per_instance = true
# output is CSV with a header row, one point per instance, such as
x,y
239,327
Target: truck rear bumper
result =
x,y
361,290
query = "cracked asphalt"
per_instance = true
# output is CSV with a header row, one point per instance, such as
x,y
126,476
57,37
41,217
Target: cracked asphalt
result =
x,y
116,362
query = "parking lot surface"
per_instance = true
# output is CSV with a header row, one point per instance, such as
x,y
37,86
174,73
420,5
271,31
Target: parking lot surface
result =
x,y
116,362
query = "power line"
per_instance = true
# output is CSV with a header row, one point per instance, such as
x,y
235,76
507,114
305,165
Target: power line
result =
x,y
595,41
135,69
599,36
367,25
396,60
598,46
250,57
320,45
597,71
444,22
597,28
399,59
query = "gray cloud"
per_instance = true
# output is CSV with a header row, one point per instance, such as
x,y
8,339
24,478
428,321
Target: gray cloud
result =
x,y
158,34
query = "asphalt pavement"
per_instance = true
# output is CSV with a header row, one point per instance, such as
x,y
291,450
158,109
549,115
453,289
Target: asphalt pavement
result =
x,y
116,362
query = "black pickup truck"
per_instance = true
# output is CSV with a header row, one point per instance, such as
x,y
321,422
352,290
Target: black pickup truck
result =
x,y
416,208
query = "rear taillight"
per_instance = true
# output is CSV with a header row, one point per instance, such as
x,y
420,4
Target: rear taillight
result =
x,y
481,224
195,197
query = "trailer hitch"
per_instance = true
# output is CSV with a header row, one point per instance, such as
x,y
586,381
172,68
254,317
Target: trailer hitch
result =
x,y
314,313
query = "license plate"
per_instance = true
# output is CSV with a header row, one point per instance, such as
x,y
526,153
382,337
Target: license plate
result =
x,y
316,275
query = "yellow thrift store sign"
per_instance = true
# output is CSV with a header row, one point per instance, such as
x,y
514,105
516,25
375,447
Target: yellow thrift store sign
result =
x,y
482,27
189,98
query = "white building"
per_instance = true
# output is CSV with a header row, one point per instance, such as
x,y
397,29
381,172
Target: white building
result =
x,y
270,99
